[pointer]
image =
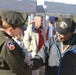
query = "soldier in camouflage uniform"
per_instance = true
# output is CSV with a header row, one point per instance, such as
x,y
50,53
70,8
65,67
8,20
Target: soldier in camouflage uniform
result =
x,y
11,54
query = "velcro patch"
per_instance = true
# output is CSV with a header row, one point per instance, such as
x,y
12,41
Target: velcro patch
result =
x,y
10,46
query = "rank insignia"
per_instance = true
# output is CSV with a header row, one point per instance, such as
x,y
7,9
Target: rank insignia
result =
x,y
10,46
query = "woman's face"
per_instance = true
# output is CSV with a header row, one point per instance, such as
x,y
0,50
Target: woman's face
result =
x,y
15,32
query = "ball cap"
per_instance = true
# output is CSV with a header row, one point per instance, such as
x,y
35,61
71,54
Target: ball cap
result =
x,y
14,18
65,26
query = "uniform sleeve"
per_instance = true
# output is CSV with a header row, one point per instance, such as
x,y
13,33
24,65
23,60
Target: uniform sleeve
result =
x,y
14,57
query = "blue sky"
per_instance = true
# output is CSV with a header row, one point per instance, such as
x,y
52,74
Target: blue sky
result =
x,y
40,2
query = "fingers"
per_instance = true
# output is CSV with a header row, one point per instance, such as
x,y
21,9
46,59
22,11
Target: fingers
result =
x,y
30,63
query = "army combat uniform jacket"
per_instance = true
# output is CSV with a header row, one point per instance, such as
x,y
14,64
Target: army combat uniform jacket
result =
x,y
11,57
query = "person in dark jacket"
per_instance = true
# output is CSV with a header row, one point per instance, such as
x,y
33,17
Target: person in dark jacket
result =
x,y
62,45
11,54
66,35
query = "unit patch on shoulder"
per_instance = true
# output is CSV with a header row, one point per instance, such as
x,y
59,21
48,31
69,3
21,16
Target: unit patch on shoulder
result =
x,y
10,46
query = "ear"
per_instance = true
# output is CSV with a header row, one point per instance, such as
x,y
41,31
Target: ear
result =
x,y
10,29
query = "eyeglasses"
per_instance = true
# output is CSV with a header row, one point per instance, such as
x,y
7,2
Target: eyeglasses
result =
x,y
63,34
59,34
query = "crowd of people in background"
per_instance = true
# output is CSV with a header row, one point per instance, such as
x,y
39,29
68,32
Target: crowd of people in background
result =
x,y
34,38
32,51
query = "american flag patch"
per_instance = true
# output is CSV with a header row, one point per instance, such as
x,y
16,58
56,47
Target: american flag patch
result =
x,y
10,46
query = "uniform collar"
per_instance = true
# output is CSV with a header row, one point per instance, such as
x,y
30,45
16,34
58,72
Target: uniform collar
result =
x,y
3,33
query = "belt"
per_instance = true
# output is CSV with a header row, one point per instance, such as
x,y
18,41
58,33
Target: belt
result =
x,y
6,72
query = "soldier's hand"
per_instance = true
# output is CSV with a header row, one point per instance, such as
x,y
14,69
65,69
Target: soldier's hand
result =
x,y
30,63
